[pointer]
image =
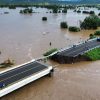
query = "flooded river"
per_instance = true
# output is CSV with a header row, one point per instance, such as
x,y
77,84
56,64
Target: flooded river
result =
x,y
24,37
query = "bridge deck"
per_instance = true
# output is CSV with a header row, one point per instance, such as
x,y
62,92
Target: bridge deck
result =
x,y
79,49
21,72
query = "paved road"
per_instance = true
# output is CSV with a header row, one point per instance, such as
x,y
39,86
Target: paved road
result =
x,y
21,72
79,49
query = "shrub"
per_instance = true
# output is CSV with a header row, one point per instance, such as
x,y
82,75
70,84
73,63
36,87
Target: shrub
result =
x,y
44,18
55,10
92,36
74,29
12,7
64,10
74,10
59,11
78,11
97,33
63,25
85,12
99,14
50,52
92,12
27,10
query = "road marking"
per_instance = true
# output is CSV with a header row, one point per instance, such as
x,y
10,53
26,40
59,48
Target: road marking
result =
x,y
78,49
20,73
22,66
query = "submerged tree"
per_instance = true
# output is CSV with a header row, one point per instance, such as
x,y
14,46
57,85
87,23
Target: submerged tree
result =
x,y
44,18
91,22
63,25
74,29
26,11
64,10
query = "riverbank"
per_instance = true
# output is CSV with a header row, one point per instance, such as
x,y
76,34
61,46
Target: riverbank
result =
x,y
93,55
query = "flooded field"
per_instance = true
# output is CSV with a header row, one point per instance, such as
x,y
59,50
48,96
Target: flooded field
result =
x,y
24,37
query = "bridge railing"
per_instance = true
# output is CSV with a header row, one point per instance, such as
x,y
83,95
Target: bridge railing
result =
x,y
82,42
45,57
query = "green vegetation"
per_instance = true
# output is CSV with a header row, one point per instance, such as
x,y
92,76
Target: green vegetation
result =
x,y
63,25
93,54
7,63
89,12
44,18
92,36
78,11
50,52
64,10
92,12
74,29
12,7
91,22
26,11
97,32
55,10
85,12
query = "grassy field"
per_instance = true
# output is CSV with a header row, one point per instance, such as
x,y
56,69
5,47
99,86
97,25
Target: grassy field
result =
x,y
93,54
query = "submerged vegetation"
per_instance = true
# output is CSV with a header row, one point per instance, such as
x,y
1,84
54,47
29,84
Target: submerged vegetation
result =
x,y
92,12
44,18
63,25
74,29
91,22
97,32
64,10
26,11
93,54
7,63
50,52
92,36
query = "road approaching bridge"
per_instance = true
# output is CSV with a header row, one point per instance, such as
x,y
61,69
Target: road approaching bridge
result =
x,y
15,78
68,55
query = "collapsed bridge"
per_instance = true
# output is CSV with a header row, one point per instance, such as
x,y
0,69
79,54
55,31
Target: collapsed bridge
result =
x,y
74,53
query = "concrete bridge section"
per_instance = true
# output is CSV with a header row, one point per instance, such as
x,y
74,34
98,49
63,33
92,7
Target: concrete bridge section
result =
x,y
69,55
15,78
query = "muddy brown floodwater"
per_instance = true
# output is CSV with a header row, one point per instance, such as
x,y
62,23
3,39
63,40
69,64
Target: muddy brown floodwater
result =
x,y
24,37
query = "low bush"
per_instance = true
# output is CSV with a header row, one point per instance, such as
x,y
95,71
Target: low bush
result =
x,y
78,11
63,25
74,29
85,12
92,36
97,33
44,18
26,11
64,10
92,12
